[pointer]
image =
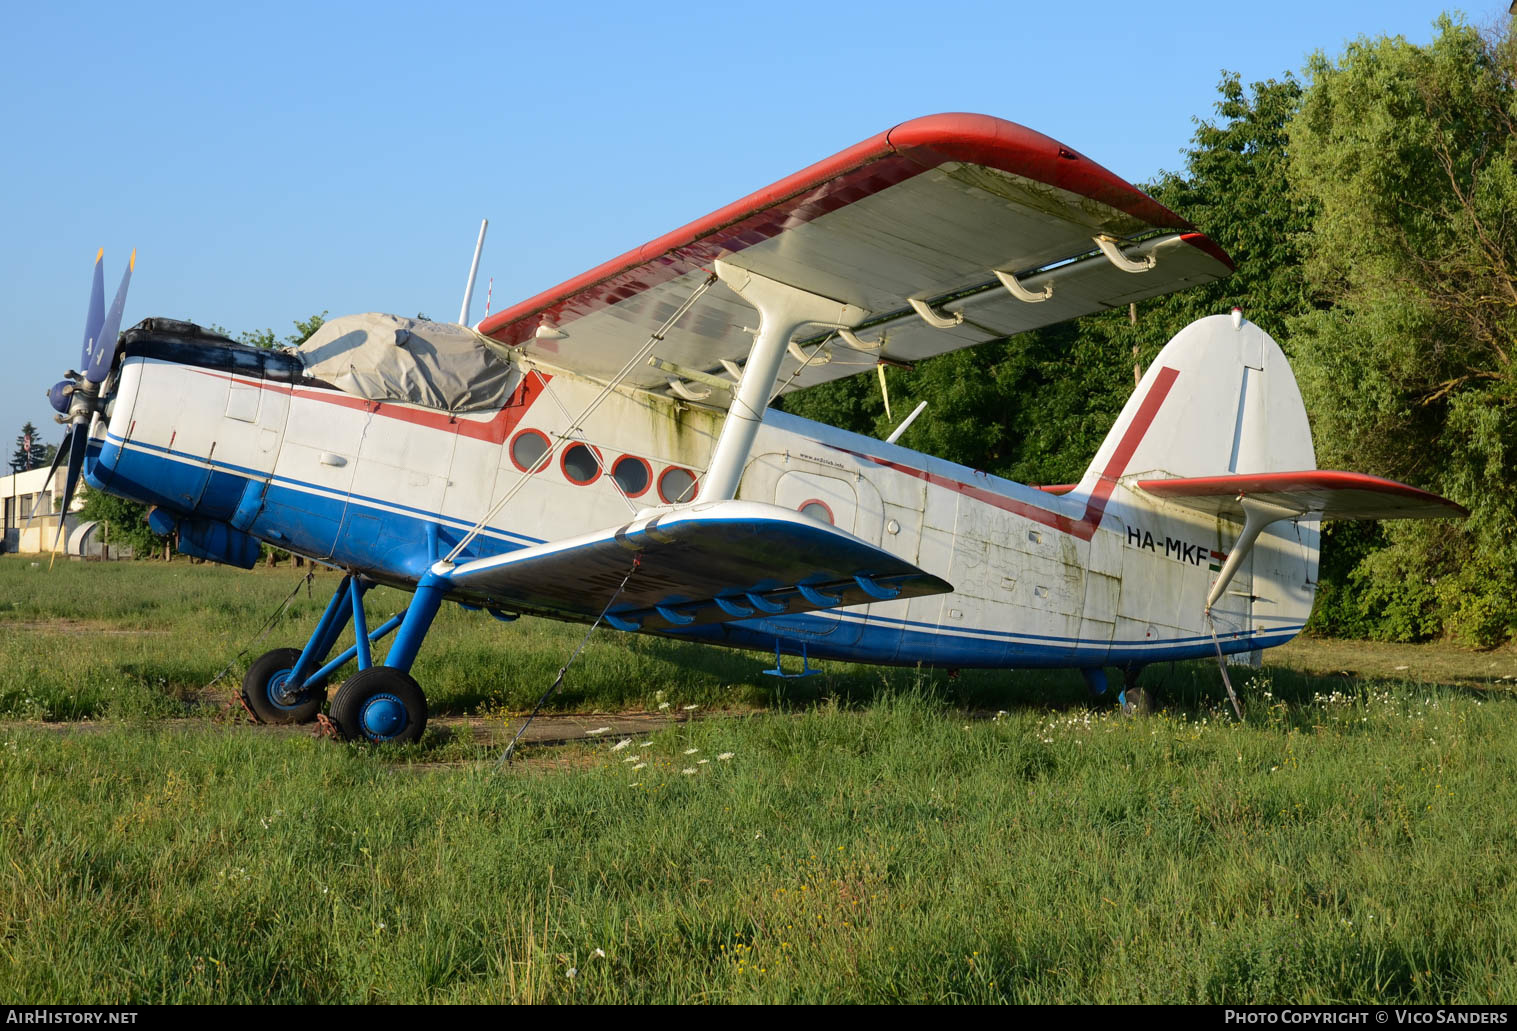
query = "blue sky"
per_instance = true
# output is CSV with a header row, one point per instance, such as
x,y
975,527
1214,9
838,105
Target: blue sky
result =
x,y
273,161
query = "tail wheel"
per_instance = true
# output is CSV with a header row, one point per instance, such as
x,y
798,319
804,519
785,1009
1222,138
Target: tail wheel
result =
x,y
267,690
1137,701
380,704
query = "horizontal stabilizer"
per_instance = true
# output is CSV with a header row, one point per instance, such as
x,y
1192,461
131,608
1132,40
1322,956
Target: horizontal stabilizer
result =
x,y
708,563
1321,493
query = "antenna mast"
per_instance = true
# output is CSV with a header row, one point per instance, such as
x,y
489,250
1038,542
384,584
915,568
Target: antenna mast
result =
x,y
463,313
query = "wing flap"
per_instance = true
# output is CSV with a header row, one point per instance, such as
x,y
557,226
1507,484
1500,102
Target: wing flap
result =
x,y
709,563
1322,493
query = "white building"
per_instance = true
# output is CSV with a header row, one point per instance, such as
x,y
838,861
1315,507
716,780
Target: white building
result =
x,y
19,492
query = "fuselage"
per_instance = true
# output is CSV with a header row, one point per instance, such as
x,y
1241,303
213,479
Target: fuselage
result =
x,y
228,440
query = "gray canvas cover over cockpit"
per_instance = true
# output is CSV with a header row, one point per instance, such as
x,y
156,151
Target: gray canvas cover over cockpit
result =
x,y
390,358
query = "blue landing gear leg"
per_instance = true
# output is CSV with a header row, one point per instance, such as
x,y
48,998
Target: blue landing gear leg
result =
x,y
378,703
384,703
1095,680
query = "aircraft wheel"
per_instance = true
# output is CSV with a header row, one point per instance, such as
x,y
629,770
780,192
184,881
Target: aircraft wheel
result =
x,y
265,689
380,704
1137,701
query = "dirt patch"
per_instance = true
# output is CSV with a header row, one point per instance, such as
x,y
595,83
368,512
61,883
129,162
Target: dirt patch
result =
x,y
552,728
77,626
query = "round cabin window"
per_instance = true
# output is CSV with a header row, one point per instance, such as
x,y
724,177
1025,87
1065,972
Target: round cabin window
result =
x,y
677,486
581,464
631,475
529,450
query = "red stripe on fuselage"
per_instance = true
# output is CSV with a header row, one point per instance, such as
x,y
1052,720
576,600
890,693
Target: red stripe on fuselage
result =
x,y
494,431
1095,507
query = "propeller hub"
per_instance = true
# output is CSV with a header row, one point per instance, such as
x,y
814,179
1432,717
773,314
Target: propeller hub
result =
x,y
58,395
81,403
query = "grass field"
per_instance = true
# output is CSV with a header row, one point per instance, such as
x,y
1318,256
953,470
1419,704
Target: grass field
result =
x,y
864,835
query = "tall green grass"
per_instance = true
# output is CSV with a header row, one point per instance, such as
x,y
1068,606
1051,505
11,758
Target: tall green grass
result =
x,y
1347,846
93,640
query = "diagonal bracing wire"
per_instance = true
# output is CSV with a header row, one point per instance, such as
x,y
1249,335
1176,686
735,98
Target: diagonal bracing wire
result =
x,y
505,756
564,435
1222,665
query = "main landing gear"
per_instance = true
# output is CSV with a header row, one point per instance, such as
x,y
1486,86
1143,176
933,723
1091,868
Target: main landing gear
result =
x,y
378,703
1134,700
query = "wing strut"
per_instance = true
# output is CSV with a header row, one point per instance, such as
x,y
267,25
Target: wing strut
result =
x,y
782,309
1256,516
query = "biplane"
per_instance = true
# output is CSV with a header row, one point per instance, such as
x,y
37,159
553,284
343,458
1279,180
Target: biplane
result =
x,y
607,449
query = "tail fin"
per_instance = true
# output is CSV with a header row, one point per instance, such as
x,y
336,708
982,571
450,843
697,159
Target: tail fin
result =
x,y
1220,398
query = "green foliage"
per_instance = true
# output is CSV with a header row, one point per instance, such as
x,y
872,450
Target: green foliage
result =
x,y
263,338
1408,154
266,338
125,523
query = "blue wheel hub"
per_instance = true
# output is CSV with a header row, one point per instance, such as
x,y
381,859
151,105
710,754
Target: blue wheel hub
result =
x,y
383,717
280,691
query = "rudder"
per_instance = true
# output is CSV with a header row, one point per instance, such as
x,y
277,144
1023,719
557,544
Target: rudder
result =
x,y
1220,398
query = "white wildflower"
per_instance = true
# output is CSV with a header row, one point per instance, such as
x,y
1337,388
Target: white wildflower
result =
x,y
725,756
690,708
639,766
571,972
623,743
599,952
663,705
597,730
688,770
691,751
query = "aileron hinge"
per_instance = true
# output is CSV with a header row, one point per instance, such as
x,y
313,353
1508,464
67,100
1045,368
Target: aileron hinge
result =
x,y
935,319
1021,292
1108,245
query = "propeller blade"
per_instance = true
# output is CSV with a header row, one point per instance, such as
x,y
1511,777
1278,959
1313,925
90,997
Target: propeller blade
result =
x,y
57,460
96,317
99,364
77,443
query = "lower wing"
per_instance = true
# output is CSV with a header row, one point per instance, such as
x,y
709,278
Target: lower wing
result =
x,y
711,563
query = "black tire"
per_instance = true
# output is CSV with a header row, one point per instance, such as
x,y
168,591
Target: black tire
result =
x,y
380,704
261,690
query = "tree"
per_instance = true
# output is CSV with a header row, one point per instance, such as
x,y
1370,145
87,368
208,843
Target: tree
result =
x,y
126,520
1409,154
31,452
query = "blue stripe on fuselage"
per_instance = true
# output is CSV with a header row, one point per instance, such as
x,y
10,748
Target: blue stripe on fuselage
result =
x,y
378,539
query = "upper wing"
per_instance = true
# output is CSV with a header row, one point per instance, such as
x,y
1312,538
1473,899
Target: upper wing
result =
x,y
706,563
928,210
1323,493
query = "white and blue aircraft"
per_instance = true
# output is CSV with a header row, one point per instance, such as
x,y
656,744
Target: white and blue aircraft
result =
x,y
606,449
